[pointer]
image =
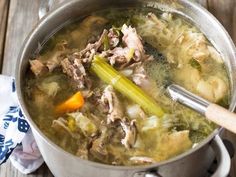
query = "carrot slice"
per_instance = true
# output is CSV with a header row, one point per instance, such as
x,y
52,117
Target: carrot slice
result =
x,y
76,101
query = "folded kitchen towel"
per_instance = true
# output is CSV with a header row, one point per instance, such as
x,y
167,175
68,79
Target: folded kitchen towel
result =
x,y
16,139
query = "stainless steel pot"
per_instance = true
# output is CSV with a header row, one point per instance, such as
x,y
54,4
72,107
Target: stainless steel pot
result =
x,y
192,163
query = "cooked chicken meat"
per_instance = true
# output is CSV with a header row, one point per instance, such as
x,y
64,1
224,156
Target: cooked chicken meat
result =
x,y
115,109
133,41
130,132
75,69
37,67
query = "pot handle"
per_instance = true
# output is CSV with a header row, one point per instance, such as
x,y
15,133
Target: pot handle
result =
x,y
222,157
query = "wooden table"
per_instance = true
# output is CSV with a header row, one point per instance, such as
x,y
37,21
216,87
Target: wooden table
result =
x,y
18,17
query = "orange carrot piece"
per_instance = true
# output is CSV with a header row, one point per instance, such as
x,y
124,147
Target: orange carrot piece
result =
x,y
76,101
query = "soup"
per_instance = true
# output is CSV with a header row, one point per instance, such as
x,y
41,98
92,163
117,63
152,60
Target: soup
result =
x,y
97,87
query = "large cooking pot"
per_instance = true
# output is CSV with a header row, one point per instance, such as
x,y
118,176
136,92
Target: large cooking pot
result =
x,y
192,163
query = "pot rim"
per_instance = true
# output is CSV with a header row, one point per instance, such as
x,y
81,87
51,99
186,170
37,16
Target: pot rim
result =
x,y
88,162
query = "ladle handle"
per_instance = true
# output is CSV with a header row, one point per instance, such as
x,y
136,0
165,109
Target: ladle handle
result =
x,y
213,112
221,116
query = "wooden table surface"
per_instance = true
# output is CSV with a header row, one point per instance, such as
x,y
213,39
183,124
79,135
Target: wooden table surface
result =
x,y
17,19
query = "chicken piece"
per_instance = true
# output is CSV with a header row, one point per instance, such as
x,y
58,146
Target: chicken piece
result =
x,y
75,69
133,41
123,55
37,67
86,55
130,131
118,55
115,109
141,78
74,65
51,61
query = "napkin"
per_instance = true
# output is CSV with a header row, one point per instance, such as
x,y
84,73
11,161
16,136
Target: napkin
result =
x,y
16,139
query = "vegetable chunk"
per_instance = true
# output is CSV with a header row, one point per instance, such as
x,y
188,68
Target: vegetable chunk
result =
x,y
73,103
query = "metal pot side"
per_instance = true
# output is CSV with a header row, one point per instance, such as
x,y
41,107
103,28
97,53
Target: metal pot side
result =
x,y
64,164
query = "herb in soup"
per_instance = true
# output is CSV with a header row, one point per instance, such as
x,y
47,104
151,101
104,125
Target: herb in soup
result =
x,y
97,88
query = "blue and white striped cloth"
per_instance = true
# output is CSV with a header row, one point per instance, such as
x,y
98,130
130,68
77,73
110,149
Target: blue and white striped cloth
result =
x,y
16,139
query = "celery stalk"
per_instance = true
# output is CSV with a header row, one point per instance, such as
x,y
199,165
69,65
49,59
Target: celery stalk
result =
x,y
109,75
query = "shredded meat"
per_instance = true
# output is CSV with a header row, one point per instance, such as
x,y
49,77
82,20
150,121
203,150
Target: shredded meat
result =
x,y
140,76
130,131
133,41
86,55
74,65
115,109
132,51
75,69
118,55
37,67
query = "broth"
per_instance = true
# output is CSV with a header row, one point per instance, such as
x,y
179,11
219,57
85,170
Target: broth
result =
x,y
111,128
